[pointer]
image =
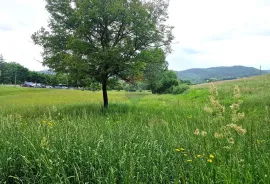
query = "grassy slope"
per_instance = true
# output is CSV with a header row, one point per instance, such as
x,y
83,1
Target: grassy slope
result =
x,y
49,136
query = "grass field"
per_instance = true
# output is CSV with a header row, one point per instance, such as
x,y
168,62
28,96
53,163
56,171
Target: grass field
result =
x,y
65,136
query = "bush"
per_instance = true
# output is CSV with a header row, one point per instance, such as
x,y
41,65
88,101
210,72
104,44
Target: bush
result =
x,y
167,82
180,89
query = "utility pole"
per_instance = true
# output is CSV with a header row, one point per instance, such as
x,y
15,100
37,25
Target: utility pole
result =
x,y
260,69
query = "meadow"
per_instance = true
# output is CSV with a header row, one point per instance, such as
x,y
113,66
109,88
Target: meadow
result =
x,y
211,134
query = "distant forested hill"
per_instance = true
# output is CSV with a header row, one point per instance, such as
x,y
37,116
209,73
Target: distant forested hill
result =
x,y
201,75
47,72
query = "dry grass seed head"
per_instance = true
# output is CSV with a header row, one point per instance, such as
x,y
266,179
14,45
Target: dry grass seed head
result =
x,y
231,140
218,136
236,92
197,132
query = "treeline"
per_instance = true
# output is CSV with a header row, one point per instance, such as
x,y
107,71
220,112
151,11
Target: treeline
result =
x,y
156,78
14,73
166,83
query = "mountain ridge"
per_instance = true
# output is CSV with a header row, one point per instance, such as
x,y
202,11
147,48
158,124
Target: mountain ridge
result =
x,y
202,75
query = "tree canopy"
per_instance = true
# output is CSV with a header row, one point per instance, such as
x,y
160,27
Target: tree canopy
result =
x,y
156,66
14,73
1,64
167,82
102,39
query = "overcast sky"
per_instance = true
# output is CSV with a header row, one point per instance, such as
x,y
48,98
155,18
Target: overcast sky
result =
x,y
208,32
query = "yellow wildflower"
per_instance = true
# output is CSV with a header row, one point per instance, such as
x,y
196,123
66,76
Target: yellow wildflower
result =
x,y
198,156
185,155
204,133
211,156
50,124
179,149
189,160
209,160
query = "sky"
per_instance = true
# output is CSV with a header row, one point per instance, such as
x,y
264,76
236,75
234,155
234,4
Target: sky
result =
x,y
207,33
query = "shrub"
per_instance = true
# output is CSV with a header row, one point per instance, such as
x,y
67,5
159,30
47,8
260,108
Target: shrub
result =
x,y
167,82
180,89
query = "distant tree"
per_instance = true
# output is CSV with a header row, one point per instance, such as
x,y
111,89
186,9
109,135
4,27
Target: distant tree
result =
x,y
114,84
2,61
12,73
53,80
102,38
167,82
187,82
156,66
35,77
62,79
20,72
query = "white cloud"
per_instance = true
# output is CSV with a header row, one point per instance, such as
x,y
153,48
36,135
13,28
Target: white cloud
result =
x,y
23,18
209,32
222,33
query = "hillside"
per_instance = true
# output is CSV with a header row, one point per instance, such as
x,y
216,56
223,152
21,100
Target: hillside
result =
x,y
201,75
47,72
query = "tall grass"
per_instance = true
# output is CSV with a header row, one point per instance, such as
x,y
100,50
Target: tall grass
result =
x,y
63,136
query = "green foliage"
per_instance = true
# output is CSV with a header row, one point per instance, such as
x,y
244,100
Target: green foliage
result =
x,y
12,71
101,39
187,82
156,66
94,86
1,62
131,87
64,136
114,84
167,82
180,89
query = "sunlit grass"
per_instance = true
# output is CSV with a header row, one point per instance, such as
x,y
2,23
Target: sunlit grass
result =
x,y
52,136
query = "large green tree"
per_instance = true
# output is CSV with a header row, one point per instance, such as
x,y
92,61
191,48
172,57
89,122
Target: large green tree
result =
x,y
156,66
101,39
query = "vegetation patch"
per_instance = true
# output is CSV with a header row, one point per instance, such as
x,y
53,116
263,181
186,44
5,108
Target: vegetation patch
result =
x,y
202,136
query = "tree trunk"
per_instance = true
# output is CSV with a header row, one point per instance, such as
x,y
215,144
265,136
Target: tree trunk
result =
x,y
105,95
